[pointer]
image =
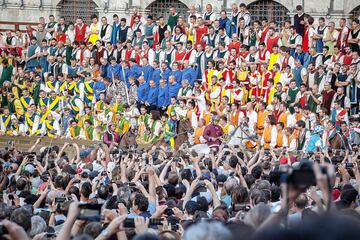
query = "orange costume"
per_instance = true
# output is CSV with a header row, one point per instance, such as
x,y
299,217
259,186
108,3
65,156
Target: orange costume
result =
x,y
261,120
267,136
279,139
283,117
198,133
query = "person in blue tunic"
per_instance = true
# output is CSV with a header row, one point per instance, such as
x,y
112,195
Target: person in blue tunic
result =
x,y
142,91
104,67
99,87
163,96
225,22
156,73
124,73
147,69
151,101
315,141
113,69
176,72
173,87
165,71
135,70
188,73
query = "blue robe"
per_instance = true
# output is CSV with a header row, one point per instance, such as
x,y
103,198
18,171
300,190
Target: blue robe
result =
x,y
177,75
135,71
147,71
189,74
113,71
165,74
152,96
142,92
163,96
226,24
99,87
104,69
173,90
156,75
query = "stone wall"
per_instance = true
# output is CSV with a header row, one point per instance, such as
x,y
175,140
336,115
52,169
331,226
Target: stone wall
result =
x,y
32,10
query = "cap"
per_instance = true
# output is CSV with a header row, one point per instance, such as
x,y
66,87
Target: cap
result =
x,y
221,178
85,152
30,168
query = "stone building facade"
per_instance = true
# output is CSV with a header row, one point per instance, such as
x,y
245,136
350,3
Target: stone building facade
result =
x,y
31,10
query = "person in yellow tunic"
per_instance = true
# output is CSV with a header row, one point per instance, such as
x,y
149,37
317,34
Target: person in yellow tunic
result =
x,y
89,115
54,103
16,128
262,114
74,130
226,127
242,73
15,106
5,121
206,115
172,106
26,100
117,107
214,91
268,139
88,130
94,30
63,85
143,125
122,124
51,127
276,73
31,121
100,104
274,56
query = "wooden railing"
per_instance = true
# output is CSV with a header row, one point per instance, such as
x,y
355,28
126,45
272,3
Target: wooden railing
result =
x,y
23,143
13,26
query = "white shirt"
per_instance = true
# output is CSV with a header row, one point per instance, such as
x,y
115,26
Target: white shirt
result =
x,y
252,120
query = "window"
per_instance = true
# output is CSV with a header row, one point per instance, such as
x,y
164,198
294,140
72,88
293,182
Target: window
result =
x,y
71,9
355,13
161,8
269,9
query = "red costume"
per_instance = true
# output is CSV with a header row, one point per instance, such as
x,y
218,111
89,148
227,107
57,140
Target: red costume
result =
x,y
235,45
270,42
80,33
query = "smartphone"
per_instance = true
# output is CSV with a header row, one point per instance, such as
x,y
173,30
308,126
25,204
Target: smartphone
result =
x,y
50,235
3,230
129,222
60,199
90,212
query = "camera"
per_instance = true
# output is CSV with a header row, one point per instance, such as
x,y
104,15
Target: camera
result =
x,y
90,212
302,175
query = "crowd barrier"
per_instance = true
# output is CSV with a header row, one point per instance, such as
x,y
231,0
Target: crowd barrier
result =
x,y
23,143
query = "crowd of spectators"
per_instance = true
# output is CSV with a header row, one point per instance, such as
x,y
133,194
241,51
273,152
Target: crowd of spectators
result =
x,y
218,126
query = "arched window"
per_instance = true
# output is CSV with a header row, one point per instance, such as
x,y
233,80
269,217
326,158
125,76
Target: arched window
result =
x,y
161,8
269,9
71,9
355,12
